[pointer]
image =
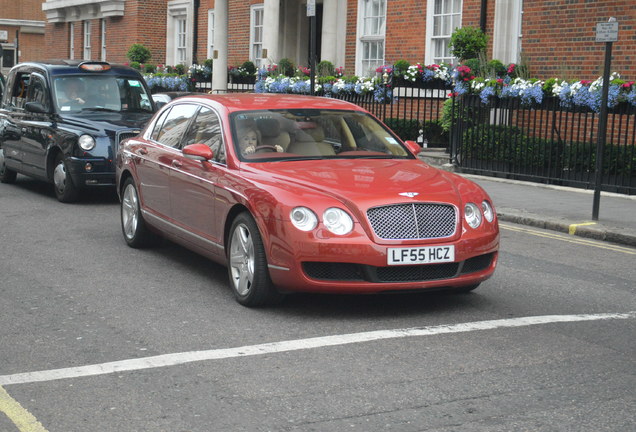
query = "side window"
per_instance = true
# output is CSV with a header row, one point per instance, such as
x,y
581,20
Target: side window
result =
x,y
20,89
206,129
176,124
158,124
38,92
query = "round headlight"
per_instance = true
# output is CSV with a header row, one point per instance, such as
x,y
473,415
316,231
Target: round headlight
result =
x,y
472,214
86,142
489,213
337,221
303,218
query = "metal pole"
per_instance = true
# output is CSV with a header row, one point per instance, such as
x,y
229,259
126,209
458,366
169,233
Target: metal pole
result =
x,y
312,54
602,131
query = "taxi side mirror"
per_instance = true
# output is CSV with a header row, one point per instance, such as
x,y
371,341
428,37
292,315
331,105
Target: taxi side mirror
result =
x,y
36,107
200,152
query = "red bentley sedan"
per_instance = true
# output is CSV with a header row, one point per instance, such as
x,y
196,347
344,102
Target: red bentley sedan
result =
x,y
299,193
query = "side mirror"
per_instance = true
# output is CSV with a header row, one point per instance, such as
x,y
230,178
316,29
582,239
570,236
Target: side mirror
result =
x,y
413,147
200,152
36,107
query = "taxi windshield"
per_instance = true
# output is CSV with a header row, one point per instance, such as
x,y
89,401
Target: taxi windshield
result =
x,y
100,93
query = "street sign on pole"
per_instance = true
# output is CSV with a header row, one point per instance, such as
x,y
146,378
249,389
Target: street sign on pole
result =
x,y
311,8
608,34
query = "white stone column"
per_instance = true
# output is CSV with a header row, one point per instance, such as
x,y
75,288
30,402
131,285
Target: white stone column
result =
x,y
219,65
329,41
271,29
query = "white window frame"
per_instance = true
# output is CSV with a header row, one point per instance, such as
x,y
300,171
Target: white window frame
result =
x,y
71,41
180,38
211,27
449,19
179,10
366,40
256,43
87,40
103,39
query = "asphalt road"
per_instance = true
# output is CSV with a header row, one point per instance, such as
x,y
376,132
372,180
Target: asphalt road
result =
x,y
548,344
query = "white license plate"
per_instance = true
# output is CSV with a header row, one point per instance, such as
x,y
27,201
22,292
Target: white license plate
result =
x,y
420,255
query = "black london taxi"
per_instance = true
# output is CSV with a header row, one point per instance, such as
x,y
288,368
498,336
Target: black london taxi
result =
x,y
61,122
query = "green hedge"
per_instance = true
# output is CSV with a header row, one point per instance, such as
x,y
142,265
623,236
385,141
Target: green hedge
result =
x,y
409,129
508,144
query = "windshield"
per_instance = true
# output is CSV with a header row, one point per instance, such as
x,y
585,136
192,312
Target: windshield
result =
x,y
101,93
297,134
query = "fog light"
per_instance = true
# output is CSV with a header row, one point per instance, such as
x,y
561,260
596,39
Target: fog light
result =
x,y
88,167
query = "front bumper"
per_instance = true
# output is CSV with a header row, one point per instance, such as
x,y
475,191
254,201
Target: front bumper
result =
x,y
91,172
362,267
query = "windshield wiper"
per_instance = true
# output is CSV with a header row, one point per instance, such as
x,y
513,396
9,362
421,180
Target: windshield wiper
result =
x,y
99,109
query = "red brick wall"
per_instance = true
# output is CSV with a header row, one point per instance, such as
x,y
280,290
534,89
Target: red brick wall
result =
x,y
559,37
239,31
405,34
31,44
351,42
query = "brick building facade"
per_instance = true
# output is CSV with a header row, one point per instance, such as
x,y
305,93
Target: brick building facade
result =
x,y
21,31
557,38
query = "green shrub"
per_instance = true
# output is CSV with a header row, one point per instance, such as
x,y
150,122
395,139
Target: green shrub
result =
x,y
208,63
180,69
406,129
400,67
286,67
474,64
135,65
249,67
138,53
150,68
496,69
467,42
326,68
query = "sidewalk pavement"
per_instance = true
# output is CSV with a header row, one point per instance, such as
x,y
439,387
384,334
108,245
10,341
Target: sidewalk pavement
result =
x,y
557,208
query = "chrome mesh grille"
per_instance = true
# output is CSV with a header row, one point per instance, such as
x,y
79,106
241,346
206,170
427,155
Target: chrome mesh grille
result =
x,y
413,221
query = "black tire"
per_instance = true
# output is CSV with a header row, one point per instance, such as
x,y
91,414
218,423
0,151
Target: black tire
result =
x,y
7,175
247,264
133,226
65,190
466,289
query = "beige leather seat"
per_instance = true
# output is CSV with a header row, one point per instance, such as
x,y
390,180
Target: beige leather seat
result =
x,y
272,134
309,141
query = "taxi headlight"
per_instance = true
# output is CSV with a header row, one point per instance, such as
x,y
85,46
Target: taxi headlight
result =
x,y
337,221
472,214
489,213
303,218
86,142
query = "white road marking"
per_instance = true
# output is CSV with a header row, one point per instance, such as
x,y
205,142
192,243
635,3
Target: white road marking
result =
x,y
294,345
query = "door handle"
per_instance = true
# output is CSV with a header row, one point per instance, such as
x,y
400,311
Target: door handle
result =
x,y
142,151
24,130
176,163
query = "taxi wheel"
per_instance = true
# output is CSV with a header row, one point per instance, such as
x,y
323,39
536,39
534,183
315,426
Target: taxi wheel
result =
x,y
247,264
65,190
133,226
6,175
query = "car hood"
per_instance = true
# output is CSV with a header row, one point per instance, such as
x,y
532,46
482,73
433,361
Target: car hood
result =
x,y
364,183
103,121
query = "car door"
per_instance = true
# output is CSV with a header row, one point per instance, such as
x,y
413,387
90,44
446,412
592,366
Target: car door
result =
x,y
155,159
12,119
193,183
36,127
